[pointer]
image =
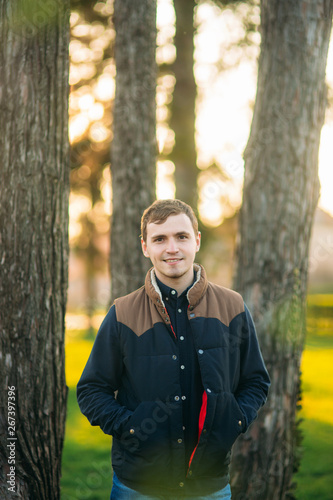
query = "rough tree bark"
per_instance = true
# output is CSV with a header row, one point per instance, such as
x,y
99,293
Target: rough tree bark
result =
x,y
133,150
182,107
34,185
281,190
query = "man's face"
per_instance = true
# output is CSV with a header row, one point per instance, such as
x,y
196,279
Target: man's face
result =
x,y
171,247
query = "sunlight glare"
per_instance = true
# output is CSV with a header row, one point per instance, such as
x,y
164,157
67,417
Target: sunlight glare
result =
x,y
74,17
105,88
165,186
86,101
78,204
96,112
81,30
325,168
165,21
165,138
106,190
165,14
77,127
98,132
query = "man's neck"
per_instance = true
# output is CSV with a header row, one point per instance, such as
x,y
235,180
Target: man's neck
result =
x,y
179,284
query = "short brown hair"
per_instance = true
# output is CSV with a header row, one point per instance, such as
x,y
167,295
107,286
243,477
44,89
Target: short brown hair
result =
x,y
160,210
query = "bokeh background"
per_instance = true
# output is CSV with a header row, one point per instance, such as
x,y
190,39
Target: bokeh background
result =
x,y
226,44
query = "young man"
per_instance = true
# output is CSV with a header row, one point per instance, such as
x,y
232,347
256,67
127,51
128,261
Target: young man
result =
x,y
176,373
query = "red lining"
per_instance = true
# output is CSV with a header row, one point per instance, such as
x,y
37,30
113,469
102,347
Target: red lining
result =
x,y
202,417
173,331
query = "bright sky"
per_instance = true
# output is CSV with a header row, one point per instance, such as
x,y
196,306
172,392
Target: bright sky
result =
x,y
224,104
224,114
326,148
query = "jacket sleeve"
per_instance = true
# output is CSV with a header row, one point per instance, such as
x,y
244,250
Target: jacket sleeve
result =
x,y
100,379
254,382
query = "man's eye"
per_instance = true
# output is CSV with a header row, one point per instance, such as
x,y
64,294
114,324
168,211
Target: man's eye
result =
x,y
183,237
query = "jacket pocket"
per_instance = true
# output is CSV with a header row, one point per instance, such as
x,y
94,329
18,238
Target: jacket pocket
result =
x,y
142,453
147,429
228,421
223,424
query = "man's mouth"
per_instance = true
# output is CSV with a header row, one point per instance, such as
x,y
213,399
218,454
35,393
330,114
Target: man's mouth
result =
x,y
172,261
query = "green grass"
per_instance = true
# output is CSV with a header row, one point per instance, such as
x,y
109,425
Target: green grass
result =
x,y
86,469
315,477
86,458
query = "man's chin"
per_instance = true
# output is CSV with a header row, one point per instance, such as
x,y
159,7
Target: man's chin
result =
x,y
175,273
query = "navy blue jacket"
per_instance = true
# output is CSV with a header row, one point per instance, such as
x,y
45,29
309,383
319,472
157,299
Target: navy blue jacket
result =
x,y
130,387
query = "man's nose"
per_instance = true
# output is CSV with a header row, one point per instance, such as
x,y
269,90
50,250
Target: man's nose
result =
x,y
172,246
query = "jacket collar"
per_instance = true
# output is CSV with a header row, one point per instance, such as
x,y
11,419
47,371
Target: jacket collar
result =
x,y
194,294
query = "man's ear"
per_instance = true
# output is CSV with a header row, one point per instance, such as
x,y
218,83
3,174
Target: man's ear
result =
x,y
198,241
144,248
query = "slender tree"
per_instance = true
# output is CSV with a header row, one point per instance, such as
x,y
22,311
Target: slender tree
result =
x,y
34,189
133,149
281,190
183,105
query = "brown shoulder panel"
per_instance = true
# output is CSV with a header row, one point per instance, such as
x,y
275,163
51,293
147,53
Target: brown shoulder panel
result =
x,y
137,312
221,303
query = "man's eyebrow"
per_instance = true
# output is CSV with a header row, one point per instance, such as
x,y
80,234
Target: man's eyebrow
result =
x,y
157,236
180,233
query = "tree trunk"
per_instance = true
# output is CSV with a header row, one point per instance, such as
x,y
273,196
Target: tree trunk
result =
x,y
134,142
183,105
281,190
34,184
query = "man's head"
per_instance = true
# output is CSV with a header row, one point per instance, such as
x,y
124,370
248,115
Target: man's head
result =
x,y
160,210
170,239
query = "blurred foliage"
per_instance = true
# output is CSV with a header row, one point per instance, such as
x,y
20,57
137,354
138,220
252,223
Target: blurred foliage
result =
x,y
92,73
92,80
246,36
